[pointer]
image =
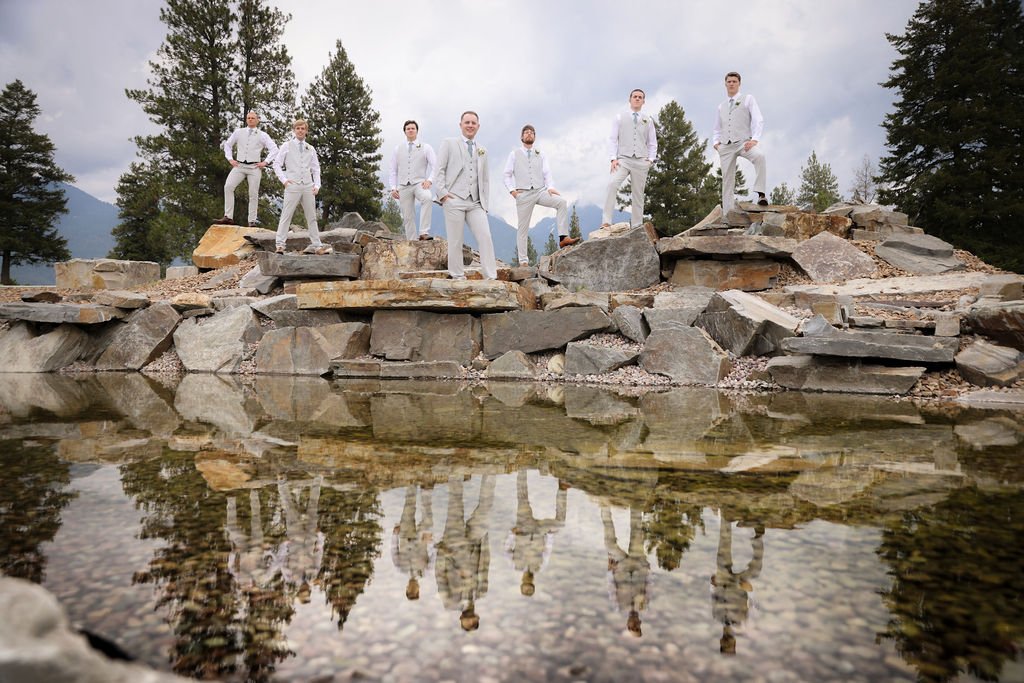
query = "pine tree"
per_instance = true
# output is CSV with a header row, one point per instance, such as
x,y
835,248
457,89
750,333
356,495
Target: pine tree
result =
x,y
864,187
266,83
783,195
741,183
574,224
391,215
551,245
819,187
138,199
344,129
531,252
30,199
956,132
679,191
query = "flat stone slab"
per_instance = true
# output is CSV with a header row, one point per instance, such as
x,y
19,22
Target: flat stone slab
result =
x,y
309,265
827,258
396,370
425,294
807,373
745,324
342,239
733,246
121,299
78,314
908,285
991,398
223,245
749,275
922,254
988,365
890,345
1003,322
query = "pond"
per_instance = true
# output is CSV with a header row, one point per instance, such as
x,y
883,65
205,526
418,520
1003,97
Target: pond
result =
x,y
291,529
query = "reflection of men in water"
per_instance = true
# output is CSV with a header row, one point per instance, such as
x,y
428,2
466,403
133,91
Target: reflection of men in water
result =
x,y
531,539
305,544
410,544
629,572
463,555
729,602
252,565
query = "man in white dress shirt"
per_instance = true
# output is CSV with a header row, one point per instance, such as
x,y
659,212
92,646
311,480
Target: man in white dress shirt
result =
x,y
738,128
632,148
249,143
297,167
528,179
412,174
462,185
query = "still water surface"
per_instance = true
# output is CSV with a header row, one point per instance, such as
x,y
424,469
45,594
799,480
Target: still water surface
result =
x,y
305,530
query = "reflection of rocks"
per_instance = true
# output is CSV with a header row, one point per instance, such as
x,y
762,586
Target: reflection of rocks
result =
x,y
21,394
139,400
215,400
221,471
597,406
832,486
990,432
103,441
308,399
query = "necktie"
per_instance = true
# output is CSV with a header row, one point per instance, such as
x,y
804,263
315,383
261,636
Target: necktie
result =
x,y
410,147
636,118
302,146
469,146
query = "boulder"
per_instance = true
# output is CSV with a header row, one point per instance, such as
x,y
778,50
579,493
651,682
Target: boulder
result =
x,y
385,259
104,274
827,258
582,358
255,279
140,339
307,318
223,245
187,301
748,275
217,343
121,299
919,254
807,373
728,246
745,324
630,322
688,356
281,302
299,266
180,272
511,365
1003,322
988,365
888,345
678,307
555,300
24,350
532,331
1006,286
800,225
425,336
626,261
427,294
43,296
346,340
293,351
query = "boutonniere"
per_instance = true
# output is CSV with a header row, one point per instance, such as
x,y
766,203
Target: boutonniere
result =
x,y
536,151
481,151
418,145
643,119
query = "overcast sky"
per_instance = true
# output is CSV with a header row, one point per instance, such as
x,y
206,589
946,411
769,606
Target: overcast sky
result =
x,y
566,67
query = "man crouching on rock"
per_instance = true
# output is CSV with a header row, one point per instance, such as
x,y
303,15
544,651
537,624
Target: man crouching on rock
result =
x,y
301,178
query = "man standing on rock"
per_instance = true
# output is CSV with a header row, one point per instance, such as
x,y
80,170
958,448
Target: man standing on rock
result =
x,y
296,165
249,143
528,179
463,186
738,127
632,148
412,174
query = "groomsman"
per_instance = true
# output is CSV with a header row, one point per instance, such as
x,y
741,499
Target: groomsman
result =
x,y
249,143
738,127
412,174
632,148
528,180
462,186
298,168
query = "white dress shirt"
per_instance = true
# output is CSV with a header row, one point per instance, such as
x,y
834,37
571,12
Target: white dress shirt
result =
x,y
652,137
756,119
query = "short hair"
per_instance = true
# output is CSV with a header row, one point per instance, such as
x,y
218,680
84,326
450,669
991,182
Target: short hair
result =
x,y
526,128
732,74
639,91
253,112
404,125
469,112
299,122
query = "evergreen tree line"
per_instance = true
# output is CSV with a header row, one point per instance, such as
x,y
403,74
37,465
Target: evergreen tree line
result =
x,y
953,139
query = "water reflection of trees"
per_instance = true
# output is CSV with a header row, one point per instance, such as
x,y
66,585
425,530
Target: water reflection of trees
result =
x,y
955,596
33,491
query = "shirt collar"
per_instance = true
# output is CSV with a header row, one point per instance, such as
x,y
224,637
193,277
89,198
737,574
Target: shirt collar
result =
x,y
738,96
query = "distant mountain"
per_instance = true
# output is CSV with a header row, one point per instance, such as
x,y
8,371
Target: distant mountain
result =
x,y
86,226
504,235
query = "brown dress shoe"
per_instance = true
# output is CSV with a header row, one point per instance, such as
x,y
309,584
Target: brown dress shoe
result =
x,y
425,238
567,241
225,220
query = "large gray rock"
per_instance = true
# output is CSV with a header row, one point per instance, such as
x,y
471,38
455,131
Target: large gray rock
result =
x,y
628,261
255,279
293,351
688,356
745,324
23,350
801,225
120,298
307,318
808,373
385,259
140,339
421,335
38,645
281,302
827,258
217,343
678,308
630,322
511,365
104,273
297,266
1006,286
532,331
749,275
731,246
77,314
582,358
919,254
555,300
1003,322
346,340
890,345
989,365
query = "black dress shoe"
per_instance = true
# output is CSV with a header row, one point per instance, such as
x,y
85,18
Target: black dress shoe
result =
x,y
425,238
762,202
567,241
